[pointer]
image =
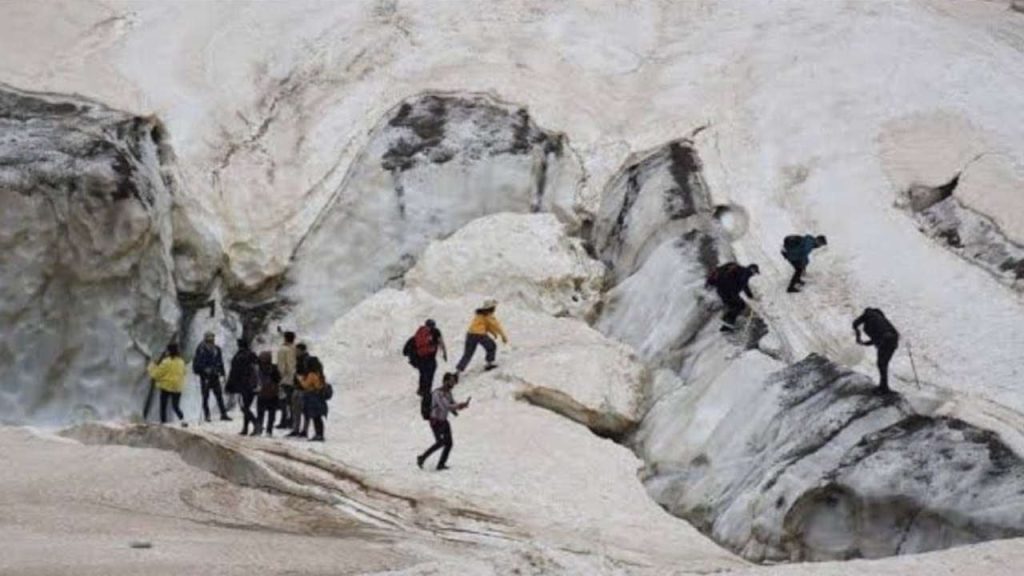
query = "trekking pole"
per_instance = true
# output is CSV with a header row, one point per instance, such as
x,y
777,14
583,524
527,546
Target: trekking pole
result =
x,y
913,366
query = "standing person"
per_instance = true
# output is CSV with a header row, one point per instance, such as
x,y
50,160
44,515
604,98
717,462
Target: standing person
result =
x,y
314,398
883,336
286,357
302,357
730,280
208,364
267,395
797,251
481,328
243,380
443,404
421,350
169,375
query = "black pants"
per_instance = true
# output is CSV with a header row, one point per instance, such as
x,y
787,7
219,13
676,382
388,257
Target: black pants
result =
x,y
266,409
734,306
886,346
427,368
285,407
472,341
798,272
247,416
175,398
211,383
318,426
442,439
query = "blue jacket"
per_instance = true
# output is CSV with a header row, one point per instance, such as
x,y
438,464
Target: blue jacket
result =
x,y
208,361
801,253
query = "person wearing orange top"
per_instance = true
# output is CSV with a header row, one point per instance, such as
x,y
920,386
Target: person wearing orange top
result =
x,y
483,326
314,399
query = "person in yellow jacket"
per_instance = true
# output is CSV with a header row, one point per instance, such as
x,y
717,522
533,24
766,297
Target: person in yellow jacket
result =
x,y
169,375
483,326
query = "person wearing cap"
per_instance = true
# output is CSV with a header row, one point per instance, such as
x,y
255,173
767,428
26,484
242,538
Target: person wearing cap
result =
x,y
483,326
730,280
208,364
422,350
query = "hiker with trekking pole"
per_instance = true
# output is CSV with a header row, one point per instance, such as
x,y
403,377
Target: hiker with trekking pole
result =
x,y
884,337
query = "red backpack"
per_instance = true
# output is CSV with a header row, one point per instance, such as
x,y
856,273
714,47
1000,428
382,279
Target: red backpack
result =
x,y
423,342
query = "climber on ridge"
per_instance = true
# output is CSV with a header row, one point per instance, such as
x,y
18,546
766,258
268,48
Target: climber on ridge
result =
x,y
442,405
421,350
729,280
208,364
483,326
169,375
883,336
797,251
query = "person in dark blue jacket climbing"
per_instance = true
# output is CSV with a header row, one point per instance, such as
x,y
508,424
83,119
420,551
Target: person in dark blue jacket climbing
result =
x,y
730,280
797,251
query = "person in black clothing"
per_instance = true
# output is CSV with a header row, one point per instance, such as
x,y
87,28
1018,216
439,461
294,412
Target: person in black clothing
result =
x,y
244,380
267,394
442,405
883,336
300,425
729,280
208,364
421,350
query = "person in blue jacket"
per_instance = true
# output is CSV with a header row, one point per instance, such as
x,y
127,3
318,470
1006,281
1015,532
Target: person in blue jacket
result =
x,y
797,251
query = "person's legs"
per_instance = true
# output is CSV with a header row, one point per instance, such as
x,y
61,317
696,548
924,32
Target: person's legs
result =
x,y
796,280
437,427
164,397
318,428
176,404
285,405
886,348
247,416
471,341
218,393
734,306
427,368
491,347
447,440
271,413
261,414
425,405
204,388
297,410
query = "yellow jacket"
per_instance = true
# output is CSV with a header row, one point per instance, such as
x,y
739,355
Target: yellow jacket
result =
x,y
487,324
169,374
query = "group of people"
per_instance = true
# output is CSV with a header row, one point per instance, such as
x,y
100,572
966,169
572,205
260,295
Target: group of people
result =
x,y
732,281
436,405
295,386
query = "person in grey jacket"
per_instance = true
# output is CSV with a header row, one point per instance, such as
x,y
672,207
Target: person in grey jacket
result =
x,y
442,404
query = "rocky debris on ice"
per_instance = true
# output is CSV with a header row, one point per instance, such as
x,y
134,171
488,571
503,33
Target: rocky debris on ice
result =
x,y
812,464
524,259
88,293
435,163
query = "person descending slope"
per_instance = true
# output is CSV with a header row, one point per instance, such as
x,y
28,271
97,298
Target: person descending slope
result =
x,y
797,251
208,364
421,350
442,405
169,375
243,380
729,280
483,326
883,336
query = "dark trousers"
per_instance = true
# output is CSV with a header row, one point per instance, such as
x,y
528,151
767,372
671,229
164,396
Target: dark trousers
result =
x,y
318,426
175,398
734,306
442,439
247,416
298,399
266,409
211,383
472,341
886,346
427,368
798,272
285,407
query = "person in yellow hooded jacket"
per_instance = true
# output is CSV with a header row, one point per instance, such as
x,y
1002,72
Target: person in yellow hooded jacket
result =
x,y
169,376
481,328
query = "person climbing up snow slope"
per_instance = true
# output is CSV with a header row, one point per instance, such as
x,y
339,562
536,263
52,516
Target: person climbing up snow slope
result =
x,y
442,405
797,251
169,376
883,336
730,280
483,326
421,350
